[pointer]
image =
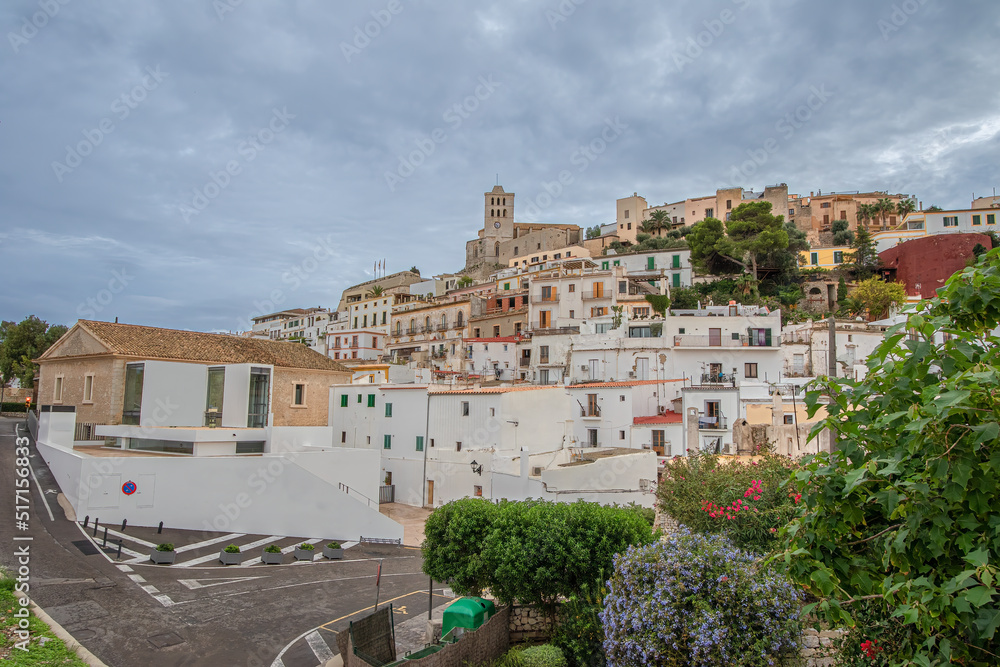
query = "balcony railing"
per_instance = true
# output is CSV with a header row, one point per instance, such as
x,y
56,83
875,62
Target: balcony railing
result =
x,y
716,423
591,411
708,341
551,298
718,378
524,362
591,296
542,329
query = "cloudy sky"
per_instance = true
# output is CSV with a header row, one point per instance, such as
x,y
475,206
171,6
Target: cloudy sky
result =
x,y
190,163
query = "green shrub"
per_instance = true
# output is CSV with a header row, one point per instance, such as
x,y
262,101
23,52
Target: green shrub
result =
x,y
166,546
748,502
333,545
272,549
305,546
512,658
14,406
579,632
232,549
696,600
544,655
7,584
876,639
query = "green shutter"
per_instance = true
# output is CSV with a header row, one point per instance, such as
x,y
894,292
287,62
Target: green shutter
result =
x,y
814,258
387,442
650,263
767,337
677,280
343,401
371,400
388,409
605,266
420,443
677,262
359,398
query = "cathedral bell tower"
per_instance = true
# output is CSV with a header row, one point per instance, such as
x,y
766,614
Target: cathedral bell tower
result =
x,y
498,220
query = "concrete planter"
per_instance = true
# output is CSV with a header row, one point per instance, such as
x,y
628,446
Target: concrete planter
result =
x,y
163,557
304,554
272,559
333,554
230,559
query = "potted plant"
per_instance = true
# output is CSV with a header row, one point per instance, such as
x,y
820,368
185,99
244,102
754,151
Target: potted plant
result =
x,y
333,551
231,555
163,554
304,551
272,555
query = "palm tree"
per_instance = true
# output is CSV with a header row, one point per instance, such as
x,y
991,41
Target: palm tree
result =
x,y
884,207
376,292
657,220
905,207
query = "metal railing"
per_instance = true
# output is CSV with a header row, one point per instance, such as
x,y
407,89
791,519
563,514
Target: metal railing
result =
x,y
591,411
552,298
87,431
593,295
689,340
524,362
351,492
716,423
717,378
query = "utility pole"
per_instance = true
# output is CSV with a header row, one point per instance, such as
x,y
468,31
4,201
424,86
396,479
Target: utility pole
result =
x,y
832,354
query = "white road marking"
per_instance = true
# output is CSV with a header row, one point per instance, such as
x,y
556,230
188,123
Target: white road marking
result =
x,y
319,647
41,494
243,547
125,568
215,540
137,578
131,539
195,584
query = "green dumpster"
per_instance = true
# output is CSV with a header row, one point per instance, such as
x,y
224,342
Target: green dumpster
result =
x,y
469,613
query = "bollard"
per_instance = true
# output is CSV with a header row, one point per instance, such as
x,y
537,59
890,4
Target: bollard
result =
x,y
105,537
124,523
160,529
119,556
86,520
96,521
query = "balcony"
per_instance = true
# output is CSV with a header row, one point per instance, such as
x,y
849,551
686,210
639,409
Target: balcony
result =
x,y
524,362
718,378
551,298
539,329
443,327
695,341
590,412
595,295
715,423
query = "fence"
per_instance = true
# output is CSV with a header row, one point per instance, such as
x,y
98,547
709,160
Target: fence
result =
x,y
387,494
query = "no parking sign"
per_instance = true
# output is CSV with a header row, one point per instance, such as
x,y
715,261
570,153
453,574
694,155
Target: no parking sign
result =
x,y
128,488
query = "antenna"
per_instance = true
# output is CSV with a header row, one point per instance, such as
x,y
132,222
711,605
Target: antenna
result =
x,y
498,178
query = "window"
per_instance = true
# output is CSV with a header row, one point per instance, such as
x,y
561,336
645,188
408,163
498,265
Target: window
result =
x,y
343,401
650,263
658,440
675,280
825,204
543,354
592,437
299,394
605,266
388,409
843,215
133,394
814,258
709,212
750,370
680,330
572,314
838,257
493,412
729,204
543,376
991,218
465,408
621,398
789,419
420,443
617,263
548,293
371,400
572,287
432,442
58,393
626,216
496,331
343,436
458,446
951,221
977,219
477,491
592,408
88,389
260,381
826,219
387,441
621,435
676,262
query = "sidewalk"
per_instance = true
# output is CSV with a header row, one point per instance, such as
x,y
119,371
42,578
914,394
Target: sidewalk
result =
x,y
411,518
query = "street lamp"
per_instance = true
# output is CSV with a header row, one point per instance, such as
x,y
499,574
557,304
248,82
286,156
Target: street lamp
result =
x,y
477,468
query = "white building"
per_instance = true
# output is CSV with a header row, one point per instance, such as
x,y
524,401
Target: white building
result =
x,y
927,223
493,358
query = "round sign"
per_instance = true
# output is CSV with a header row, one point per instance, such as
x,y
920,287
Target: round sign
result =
x,y
128,488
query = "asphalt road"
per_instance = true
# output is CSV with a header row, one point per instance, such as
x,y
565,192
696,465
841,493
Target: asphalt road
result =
x,y
141,614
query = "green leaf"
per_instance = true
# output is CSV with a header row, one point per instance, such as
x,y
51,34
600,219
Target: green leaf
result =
x,y
979,557
979,595
823,581
853,479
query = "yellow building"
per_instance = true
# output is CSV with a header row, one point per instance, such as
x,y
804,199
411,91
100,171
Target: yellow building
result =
x,y
831,257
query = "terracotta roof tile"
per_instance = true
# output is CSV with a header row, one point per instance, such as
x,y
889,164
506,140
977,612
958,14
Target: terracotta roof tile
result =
x,y
629,383
154,343
668,417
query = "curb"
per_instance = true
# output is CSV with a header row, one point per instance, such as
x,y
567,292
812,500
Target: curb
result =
x,y
60,632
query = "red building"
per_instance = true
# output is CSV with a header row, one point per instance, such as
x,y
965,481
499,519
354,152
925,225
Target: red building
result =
x,y
925,264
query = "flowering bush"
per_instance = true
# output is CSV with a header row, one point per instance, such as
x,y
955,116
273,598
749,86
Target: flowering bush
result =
x,y
696,600
747,501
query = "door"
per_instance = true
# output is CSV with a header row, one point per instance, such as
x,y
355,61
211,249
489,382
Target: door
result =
x,y
592,437
642,368
798,363
259,385
145,489
715,372
105,492
715,337
430,493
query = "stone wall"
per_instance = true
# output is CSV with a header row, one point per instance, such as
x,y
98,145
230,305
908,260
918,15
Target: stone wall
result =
x,y
529,624
818,647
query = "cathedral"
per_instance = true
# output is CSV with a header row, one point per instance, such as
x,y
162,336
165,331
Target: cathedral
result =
x,y
501,239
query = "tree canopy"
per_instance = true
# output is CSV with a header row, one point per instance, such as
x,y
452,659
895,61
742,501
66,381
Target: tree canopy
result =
x,y
20,343
877,296
903,514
